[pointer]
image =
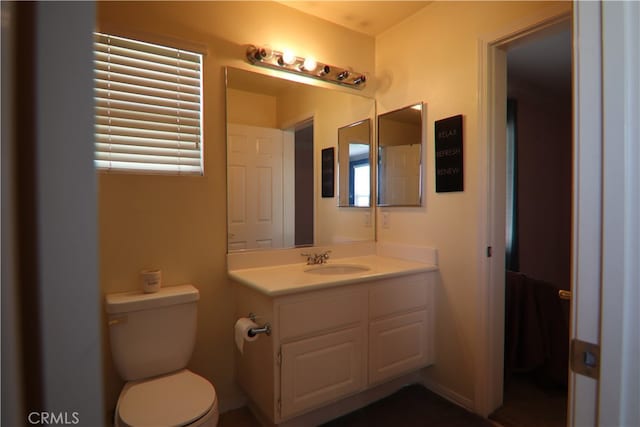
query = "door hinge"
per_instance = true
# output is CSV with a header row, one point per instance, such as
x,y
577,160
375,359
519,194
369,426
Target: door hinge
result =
x,y
585,358
279,407
489,251
279,358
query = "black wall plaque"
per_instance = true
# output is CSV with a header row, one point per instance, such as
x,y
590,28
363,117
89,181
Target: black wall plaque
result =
x,y
449,165
328,177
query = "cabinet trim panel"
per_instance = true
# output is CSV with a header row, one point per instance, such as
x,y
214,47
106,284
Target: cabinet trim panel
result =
x,y
321,369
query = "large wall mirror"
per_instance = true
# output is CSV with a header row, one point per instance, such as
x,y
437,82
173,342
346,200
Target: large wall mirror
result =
x,y
276,130
400,157
354,165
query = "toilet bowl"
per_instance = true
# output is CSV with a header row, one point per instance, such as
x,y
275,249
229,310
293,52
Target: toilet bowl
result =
x,y
152,338
179,399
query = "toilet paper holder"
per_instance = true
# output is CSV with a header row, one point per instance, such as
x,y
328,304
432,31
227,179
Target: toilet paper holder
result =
x,y
266,329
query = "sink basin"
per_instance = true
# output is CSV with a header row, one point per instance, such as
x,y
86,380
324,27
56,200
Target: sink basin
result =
x,y
337,269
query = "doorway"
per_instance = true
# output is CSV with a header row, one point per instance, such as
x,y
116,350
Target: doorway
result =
x,y
538,229
303,182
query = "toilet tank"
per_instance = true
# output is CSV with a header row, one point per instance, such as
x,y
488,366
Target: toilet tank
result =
x,y
152,334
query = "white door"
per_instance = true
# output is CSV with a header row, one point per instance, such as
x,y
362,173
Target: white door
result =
x,y
254,160
608,210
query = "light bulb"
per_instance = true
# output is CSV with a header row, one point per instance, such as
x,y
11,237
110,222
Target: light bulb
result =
x,y
309,64
288,57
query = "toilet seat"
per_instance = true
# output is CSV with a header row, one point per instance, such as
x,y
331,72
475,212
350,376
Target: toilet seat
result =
x,y
177,399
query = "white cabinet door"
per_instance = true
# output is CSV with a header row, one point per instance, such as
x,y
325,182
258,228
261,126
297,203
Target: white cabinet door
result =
x,y
398,345
321,369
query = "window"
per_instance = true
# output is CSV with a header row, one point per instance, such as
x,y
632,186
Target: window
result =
x,y
361,177
511,223
148,107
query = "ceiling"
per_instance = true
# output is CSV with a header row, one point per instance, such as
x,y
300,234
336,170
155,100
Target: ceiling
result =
x,y
543,60
368,17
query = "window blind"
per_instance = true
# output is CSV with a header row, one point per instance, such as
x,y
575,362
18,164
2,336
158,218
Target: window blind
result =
x,y
148,107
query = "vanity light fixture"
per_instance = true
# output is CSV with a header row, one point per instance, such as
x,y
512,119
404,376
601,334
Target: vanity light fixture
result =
x,y
309,64
287,61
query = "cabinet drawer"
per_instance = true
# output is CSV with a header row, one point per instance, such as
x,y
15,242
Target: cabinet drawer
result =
x,y
398,345
398,295
321,312
321,369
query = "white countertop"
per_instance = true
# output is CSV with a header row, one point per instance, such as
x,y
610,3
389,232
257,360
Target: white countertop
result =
x,y
291,278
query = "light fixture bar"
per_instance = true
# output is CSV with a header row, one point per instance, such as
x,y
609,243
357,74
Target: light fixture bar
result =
x,y
309,67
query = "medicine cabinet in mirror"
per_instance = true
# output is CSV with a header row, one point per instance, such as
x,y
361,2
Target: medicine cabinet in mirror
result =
x,y
400,157
354,165
276,131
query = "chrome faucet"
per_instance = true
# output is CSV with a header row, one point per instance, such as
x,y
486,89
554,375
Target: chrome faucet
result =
x,y
320,258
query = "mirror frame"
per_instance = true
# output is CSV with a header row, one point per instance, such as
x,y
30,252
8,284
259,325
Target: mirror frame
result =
x,y
372,193
421,177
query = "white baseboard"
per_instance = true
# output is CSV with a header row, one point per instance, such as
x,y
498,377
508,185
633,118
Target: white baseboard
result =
x,y
449,394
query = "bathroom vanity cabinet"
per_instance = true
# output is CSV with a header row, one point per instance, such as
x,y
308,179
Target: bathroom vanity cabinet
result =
x,y
334,342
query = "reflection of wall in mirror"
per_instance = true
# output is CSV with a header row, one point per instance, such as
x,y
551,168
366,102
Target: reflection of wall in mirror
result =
x,y
331,111
248,108
393,132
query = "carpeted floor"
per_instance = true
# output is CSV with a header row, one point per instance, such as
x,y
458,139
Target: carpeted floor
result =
x,y
411,406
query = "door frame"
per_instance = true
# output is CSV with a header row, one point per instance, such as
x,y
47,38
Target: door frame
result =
x,y
489,363
606,213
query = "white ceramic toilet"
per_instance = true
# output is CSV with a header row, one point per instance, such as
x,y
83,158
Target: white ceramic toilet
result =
x,y
152,338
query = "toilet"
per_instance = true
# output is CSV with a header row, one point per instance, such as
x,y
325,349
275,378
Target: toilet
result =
x,y
152,338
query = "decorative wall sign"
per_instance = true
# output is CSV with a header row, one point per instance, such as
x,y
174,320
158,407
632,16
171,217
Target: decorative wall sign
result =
x,y
328,176
449,159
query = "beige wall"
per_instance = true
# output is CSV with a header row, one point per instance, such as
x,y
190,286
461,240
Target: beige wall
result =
x,y
178,224
433,57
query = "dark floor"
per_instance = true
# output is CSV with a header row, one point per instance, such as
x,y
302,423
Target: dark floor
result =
x,y
527,403
238,418
411,406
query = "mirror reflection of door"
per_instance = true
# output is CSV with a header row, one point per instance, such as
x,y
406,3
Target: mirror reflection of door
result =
x,y
255,187
400,165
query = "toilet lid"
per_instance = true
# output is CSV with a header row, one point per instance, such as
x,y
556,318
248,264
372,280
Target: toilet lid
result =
x,y
171,400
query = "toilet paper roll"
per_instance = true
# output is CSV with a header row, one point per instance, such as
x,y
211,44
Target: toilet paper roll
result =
x,y
241,328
